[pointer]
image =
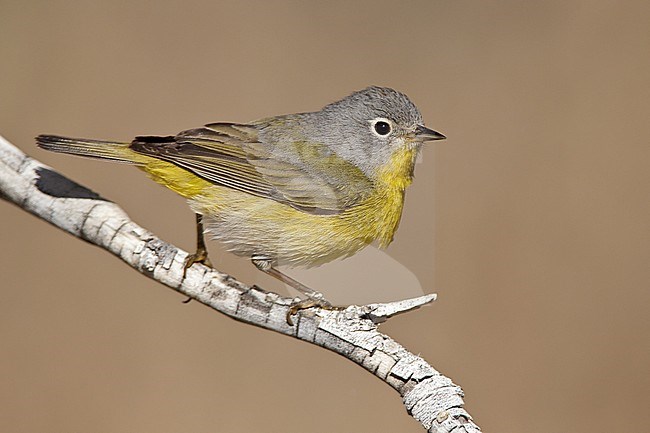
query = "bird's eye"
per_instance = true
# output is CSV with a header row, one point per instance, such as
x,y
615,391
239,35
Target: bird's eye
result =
x,y
382,127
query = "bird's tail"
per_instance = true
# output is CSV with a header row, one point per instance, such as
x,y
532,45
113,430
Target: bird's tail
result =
x,y
119,152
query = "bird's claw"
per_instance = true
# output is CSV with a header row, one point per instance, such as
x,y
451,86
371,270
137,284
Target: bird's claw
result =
x,y
201,256
315,300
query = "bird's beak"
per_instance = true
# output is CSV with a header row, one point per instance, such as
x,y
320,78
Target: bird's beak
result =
x,y
425,134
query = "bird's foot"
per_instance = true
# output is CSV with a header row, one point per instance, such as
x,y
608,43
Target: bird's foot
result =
x,y
313,300
200,256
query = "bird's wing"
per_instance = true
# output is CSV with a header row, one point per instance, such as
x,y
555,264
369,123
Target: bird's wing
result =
x,y
307,178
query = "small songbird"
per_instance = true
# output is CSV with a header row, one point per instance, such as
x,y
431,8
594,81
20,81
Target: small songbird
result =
x,y
296,190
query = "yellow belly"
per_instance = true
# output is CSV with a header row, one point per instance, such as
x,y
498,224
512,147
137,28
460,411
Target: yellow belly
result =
x,y
248,225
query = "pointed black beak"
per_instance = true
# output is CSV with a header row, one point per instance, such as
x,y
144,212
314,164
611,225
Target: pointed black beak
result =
x,y
425,134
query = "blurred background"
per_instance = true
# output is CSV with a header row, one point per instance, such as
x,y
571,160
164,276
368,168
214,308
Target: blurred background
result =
x,y
530,221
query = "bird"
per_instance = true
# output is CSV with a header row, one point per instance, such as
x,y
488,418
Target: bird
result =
x,y
294,190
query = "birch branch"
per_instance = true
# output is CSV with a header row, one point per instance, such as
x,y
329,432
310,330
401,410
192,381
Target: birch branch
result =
x,y
431,398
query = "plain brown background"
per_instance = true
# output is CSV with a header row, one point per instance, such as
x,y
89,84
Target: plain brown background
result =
x,y
530,221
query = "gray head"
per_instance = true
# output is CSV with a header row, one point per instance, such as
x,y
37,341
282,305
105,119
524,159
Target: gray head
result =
x,y
369,126
374,103
365,128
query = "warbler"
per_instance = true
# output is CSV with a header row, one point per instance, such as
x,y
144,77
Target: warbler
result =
x,y
295,190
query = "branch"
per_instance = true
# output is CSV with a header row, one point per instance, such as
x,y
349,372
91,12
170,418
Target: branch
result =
x,y
429,397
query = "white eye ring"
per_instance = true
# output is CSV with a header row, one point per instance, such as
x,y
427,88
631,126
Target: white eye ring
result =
x,y
381,127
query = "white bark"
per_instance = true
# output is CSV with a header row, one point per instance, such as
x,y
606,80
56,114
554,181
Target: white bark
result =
x,y
429,397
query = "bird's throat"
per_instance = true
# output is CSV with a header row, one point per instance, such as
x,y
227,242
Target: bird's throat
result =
x,y
398,172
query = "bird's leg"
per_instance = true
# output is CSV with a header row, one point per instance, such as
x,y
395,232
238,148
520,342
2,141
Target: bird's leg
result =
x,y
201,254
314,298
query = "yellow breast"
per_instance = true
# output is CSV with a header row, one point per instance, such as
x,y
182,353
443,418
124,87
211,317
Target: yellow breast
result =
x,y
379,216
249,225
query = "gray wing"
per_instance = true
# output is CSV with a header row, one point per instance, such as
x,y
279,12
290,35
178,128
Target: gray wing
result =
x,y
231,155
